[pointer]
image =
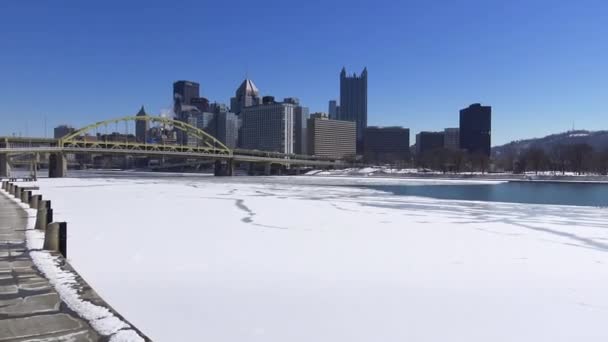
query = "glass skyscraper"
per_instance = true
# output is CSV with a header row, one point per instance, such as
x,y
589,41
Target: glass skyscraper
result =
x,y
353,102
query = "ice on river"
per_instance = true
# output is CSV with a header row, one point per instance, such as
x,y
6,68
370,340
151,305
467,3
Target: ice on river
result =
x,y
208,259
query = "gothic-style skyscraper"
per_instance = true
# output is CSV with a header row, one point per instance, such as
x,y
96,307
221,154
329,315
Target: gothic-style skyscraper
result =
x,y
353,102
141,127
247,95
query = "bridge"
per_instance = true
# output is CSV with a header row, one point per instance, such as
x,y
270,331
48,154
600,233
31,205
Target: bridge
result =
x,y
199,146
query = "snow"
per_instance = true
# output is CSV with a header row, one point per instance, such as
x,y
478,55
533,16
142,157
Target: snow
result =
x,y
383,171
308,259
64,282
66,285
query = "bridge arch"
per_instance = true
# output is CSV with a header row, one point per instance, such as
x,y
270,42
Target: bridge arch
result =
x,y
205,143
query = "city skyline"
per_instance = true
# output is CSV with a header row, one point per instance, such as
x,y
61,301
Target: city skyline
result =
x,y
537,63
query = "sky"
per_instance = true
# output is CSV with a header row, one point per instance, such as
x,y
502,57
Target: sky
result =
x,y
542,65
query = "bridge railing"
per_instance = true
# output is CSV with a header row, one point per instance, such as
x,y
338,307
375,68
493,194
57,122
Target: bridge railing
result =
x,y
136,146
272,154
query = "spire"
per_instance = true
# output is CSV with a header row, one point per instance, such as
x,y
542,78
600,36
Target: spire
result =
x,y
248,88
142,111
343,72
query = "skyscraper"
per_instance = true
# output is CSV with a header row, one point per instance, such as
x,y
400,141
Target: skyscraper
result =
x,y
476,128
300,124
333,110
353,102
201,103
246,95
226,129
141,127
183,93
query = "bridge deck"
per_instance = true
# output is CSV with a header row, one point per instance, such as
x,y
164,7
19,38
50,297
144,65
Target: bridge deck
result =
x,y
30,308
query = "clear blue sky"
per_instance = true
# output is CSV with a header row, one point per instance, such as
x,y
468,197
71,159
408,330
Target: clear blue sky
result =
x,y
542,65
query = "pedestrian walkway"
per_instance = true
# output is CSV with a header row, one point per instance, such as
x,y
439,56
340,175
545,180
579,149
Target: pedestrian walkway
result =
x,y
30,308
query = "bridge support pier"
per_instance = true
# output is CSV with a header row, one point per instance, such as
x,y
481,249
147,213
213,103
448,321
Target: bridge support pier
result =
x,y
224,167
58,165
267,169
5,166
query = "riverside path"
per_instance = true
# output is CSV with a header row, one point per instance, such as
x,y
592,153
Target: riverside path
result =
x,y
30,308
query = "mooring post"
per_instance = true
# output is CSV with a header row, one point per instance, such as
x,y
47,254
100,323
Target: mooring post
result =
x,y
5,165
34,200
55,238
44,215
25,196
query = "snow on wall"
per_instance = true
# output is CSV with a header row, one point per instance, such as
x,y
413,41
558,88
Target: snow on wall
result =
x,y
66,285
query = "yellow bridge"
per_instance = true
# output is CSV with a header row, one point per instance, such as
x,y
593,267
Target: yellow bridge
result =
x,y
201,146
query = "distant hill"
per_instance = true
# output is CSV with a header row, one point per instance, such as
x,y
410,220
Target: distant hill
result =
x,y
597,139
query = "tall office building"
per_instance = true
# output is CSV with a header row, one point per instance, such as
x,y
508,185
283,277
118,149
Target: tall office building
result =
x,y
331,138
62,130
141,127
300,122
246,95
353,102
201,103
198,119
268,127
476,128
183,93
190,115
227,128
451,138
300,117
386,144
333,110
216,107
428,141
205,121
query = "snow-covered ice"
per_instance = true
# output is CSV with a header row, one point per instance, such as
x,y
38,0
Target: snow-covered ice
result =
x,y
64,281
274,259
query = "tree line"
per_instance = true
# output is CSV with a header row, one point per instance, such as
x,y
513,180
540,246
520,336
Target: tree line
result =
x,y
576,158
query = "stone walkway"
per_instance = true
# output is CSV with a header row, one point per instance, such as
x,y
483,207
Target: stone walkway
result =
x,y
30,308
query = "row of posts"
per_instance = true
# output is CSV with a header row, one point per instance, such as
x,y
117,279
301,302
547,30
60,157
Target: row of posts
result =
x,y
55,233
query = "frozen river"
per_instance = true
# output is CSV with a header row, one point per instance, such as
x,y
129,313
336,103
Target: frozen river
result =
x,y
309,259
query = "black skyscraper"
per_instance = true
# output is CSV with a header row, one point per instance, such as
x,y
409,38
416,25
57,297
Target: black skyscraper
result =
x,y
184,92
476,128
353,102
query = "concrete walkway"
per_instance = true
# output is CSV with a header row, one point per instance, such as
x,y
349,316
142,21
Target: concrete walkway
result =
x,y
30,308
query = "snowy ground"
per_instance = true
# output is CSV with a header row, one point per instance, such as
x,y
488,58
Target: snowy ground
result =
x,y
208,259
